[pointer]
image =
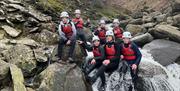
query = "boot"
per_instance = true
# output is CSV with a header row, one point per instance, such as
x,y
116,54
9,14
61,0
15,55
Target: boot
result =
x,y
70,60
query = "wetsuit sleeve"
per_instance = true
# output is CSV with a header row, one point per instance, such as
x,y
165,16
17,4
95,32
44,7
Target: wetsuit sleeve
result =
x,y
62,35
102,54
96,32
73,37
86,46
137,53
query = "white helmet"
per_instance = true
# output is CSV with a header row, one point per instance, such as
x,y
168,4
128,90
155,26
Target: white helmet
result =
x,y
95,38
102,22
115,21
64,14
127,35
109,33
77,11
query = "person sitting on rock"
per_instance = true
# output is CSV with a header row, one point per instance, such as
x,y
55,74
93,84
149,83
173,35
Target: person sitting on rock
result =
x,y
79,24
131,54
117,31
111,56
67,32
101,32
98,52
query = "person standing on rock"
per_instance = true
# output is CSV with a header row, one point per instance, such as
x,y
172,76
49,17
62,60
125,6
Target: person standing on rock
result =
x,y
111,56
67,32
101,32
131,54
79,24
98,52
117,31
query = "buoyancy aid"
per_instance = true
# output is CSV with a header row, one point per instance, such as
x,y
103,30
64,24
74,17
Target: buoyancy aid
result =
x,y
128,52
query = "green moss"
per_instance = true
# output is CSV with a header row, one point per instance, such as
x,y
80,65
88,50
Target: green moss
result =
x,y
55,5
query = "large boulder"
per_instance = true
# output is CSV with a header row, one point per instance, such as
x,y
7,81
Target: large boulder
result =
x,y
45,36
176,20
78,55
11,31
176,6
141,40
166,31
4,70
135,29
59,77
163,51
22,56
17,78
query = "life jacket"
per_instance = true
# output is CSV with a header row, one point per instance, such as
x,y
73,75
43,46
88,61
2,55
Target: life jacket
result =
x,y
67,29
118,32
102,33
110,51
78,22
128,53
96,52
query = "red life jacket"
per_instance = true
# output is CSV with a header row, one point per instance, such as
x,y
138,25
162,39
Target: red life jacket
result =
x,y
128,53
110,52
67,29
102,34
78,22
118,32
96,52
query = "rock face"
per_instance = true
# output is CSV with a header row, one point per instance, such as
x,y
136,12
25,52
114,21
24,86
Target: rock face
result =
x,y
11,31
59,77
46,37
17,78
22,56
163,51
167,31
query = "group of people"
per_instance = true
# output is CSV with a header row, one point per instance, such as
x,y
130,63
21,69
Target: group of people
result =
x,y
109,47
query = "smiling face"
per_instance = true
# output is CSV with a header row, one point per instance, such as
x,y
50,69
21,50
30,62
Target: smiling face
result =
x,y
64,19
78,15
115,24
96,43
109,38
126,40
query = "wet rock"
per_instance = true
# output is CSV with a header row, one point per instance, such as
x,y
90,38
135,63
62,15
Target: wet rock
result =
x,y
17,78
11,31
59,77
22,56
163,51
